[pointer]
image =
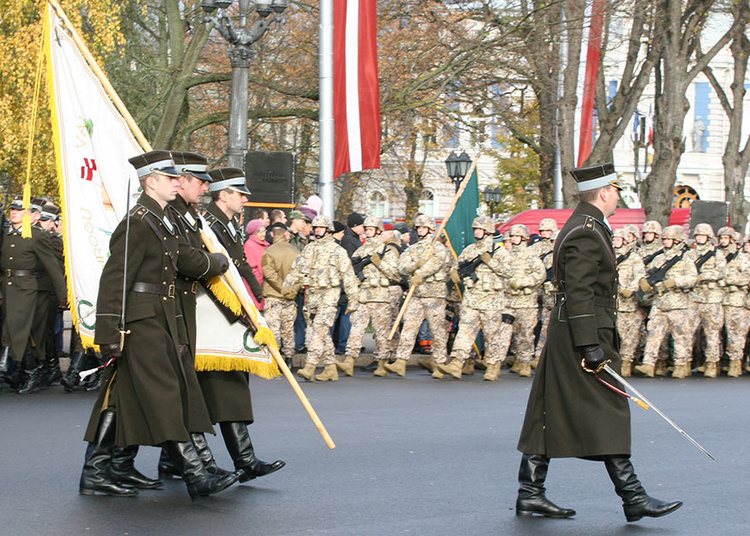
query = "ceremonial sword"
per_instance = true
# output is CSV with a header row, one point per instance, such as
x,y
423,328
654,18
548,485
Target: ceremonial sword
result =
x,y
123,331
645,403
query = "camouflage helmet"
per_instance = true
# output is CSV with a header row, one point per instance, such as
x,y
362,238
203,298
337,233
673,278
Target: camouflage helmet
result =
x,y
374,221
726,231
633,229
547,224
519,230
484,222
423,220
675,232
704,229
737,237
652,226
323,221
620,233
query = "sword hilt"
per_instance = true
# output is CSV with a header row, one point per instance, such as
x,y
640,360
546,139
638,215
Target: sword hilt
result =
x,y
122,338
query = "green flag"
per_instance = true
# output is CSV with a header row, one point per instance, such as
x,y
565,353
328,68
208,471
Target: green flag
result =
x,y
458,227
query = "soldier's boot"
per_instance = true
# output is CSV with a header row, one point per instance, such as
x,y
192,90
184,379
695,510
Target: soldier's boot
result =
x,y
167,468
712,370
437,373
4,362
199,482
94,381
206,456
480,364
33,371
531,494
661,369
525,370
645,369
381,371
735,369
240,448
454,368
747,367
51,371
96,476
535,363
71,378
14,376
626,369
516,366
398,368
635,501
680,371
123,470
492,372
307,372
468,368
330,374
427,364
347,365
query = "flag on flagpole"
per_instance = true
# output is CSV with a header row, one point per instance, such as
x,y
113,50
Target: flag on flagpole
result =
x,y
356,90
458,228
591,45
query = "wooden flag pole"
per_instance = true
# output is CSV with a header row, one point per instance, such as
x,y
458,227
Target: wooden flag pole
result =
x,y
276,355
428,254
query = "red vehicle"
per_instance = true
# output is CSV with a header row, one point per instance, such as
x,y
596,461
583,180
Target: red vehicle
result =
x,y
623,217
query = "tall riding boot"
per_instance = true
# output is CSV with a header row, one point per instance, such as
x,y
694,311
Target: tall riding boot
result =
x,y
93,382
531,497
167,468
33,371
72,379
200,483
635,501
206,456
4,362
95,476
240,448
124,472
14,375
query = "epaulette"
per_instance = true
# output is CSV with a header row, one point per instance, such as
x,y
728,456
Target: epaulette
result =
x,y
588,223
138,211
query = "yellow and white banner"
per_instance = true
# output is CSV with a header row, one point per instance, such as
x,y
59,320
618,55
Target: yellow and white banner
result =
x,y
93,141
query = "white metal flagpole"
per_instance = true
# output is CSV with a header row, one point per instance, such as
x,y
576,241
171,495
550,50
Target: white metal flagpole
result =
x,y
326,155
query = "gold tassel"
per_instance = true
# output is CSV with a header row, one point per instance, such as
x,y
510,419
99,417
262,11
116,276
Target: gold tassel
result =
x,y
26,225
264,337
225,295
205,363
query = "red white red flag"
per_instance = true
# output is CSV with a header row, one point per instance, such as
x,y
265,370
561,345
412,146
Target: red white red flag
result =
x,y
592,47
356,91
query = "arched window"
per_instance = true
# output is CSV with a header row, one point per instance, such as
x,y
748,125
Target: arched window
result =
x,y
377,204
427,203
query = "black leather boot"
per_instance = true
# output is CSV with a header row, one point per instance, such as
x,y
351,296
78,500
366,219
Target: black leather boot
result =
x,y
4,363
124,472
14,377
33,372
531,498
72,379
167,468
240,448
95,476
635,501
200,483
51,371
206,456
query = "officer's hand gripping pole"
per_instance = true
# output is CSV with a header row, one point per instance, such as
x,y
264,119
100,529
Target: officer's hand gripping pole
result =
x,y
276,355
642,401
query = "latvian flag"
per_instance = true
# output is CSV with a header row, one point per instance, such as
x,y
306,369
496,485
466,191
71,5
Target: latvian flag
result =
x,y
356,93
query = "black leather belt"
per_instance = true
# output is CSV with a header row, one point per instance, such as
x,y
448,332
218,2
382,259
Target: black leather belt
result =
x,y
150,288
186,286
20,273
599,301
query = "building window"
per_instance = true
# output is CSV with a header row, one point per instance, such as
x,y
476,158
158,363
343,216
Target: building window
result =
x,y
427,203
377,204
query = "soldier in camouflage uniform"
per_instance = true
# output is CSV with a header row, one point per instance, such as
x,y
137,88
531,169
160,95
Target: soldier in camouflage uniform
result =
x,y
543,249
707,296
320,269
527,276
735,284
670,306
428,275
376,264
630,316
482,267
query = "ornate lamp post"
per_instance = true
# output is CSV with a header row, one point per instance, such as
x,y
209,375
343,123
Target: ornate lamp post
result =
x,y
493,196
268,11
458,167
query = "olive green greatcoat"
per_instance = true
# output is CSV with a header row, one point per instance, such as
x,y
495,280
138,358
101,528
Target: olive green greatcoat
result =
x,y
569,413
21,293
150,388
227,394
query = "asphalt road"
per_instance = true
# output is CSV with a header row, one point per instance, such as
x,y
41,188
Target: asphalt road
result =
x,y
414,456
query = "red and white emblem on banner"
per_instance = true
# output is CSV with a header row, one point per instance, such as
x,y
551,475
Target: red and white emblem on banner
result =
x,y
88,168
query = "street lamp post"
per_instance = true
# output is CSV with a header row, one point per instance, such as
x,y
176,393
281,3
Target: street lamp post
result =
x,y
492,197
458,167
240,55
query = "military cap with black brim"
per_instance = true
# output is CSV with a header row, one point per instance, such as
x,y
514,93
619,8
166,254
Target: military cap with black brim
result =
x,y
192,164
228,179
154,162
593,177
50,212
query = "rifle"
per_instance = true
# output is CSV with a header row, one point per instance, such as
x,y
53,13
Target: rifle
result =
x,y
655,275
550,275
358,263
650,258
468,268
704,258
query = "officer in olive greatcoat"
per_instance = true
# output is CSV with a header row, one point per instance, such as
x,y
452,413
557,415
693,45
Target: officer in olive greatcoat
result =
x,y
569,412
144,402
227,393
25,262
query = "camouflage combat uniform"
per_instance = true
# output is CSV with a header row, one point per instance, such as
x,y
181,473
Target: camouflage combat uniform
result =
x,y
543,249
630,316
736,315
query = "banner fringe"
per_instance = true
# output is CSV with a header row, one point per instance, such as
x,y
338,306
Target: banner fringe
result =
x,y
212,362
225,295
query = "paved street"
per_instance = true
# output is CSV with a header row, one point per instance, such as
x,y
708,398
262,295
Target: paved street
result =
x,y
415,456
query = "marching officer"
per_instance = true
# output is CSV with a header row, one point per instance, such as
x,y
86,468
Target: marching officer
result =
x,y
735,284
